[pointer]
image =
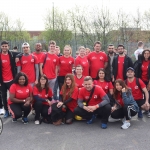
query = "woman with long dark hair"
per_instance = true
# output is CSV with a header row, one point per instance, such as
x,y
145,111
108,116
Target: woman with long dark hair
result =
x,y
68,102
42,95
125,106
20,97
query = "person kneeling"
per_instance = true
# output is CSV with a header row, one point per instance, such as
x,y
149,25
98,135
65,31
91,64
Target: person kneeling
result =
x,y
42,95
20,98
68,102
97,102
125,106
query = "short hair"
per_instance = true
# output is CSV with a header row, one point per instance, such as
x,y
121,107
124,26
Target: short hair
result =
x,y
52,42
140,43
4,42
18,76
57,47
78,66
15,47
81,47
121,45
97,42
110,45
87,78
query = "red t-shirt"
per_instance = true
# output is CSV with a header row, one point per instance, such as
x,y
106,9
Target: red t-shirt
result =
x,y
84,63
120,68
136,91
120,100
96,61
65,65
73,104
144,69
38,55
21,92
79,82
96,97
27,64
106,86
6,68
42,94
50,65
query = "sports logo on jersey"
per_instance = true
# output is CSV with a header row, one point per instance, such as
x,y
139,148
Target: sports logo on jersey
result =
x,y
54,60
106,87
19,91
48,58
46,95
86,97
93,57
63,62
24,62
101,58
27,90
95,96
4,61
32,60
83,62
70,62
136,87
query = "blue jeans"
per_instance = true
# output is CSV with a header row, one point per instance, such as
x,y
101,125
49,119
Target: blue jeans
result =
x,y
56,97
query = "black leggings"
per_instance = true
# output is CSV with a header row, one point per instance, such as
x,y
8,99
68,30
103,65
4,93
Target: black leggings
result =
x,y
104,112
126,111
16,110
41,109
61,81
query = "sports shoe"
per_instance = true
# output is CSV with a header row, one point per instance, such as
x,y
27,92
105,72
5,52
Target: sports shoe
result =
x,y
110,119
25,120
123,120
37,122
6,114
1,111
91,120
14,120
148,115
103,126
140,114
126,125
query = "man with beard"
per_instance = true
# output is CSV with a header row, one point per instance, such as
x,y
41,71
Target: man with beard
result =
x,y
120,64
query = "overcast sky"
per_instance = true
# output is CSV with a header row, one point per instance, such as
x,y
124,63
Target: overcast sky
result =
x,y
32,12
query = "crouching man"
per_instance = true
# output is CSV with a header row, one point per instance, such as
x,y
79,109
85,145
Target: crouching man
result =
x,y
93,100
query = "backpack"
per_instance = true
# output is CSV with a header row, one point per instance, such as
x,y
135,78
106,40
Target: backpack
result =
x,y
44,60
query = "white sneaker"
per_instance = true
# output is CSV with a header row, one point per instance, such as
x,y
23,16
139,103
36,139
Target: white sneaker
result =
x,y
123,120
148,115
2,111
110,119
126,125
37,122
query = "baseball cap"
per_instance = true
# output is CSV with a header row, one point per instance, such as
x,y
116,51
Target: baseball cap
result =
x,y
130,68
25,44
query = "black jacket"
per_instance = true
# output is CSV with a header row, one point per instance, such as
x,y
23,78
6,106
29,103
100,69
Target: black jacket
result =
x,y
127,63
12,56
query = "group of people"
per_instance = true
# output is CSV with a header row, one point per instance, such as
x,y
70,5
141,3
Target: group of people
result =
x,y
92,85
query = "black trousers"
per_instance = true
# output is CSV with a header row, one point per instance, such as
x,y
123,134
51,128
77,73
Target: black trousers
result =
x,y
126,111
4,88
60,81
140,102
104,112
41,109
1,105
16,110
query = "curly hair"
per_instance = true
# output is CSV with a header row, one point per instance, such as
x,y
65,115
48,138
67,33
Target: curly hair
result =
x,y
16,80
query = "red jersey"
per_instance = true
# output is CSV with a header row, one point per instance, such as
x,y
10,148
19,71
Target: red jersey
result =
x,y
65,65
73,104
43,94
21,92
144,69
136,91
38,55
96,97
84,63
96,61
120,68
79,82
27,64
6,68
106,86
50,65
120,100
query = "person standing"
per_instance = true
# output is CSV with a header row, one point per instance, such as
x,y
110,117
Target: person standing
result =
x,y
7,74
120,64
28,64
97,59
139,50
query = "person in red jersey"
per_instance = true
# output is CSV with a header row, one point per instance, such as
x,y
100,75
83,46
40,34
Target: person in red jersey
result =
x,y
88,51
120,64
138,89
81,59
38,51
7,74
19,102
125,106
68,102
42,95
97,102
49,65
97,59
66,63
28,64
79,78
